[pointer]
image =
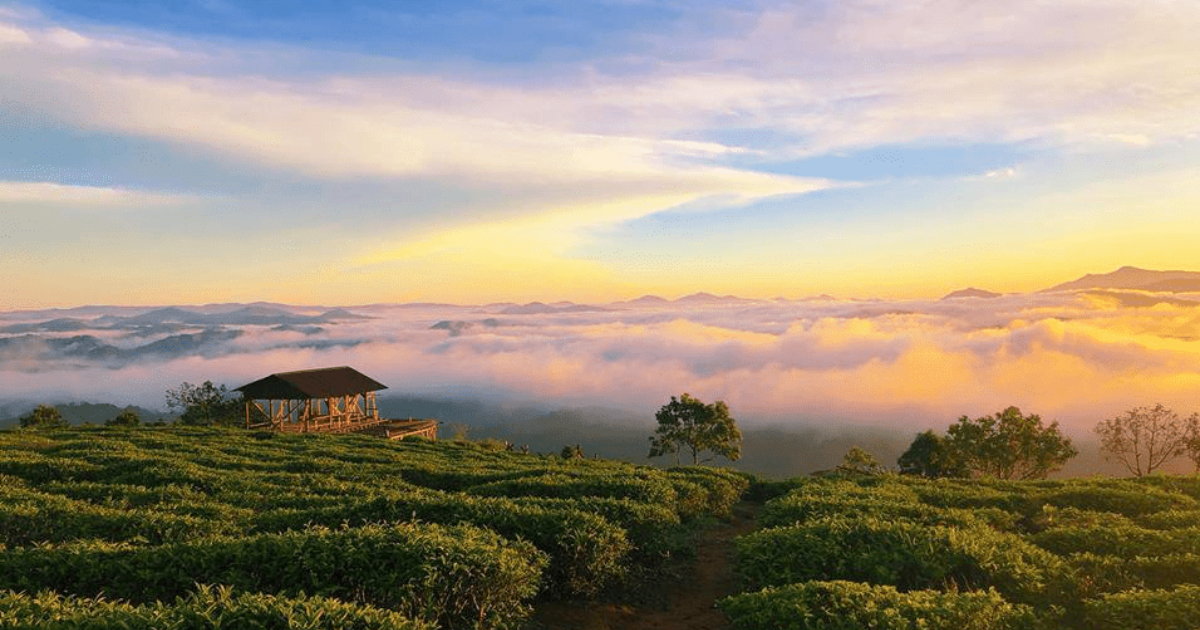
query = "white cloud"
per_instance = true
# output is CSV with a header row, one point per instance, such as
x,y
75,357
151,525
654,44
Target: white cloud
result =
x,y
52,193
915,364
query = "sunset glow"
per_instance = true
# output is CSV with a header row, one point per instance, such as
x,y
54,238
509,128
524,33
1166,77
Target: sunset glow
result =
x,y
839,165
470,153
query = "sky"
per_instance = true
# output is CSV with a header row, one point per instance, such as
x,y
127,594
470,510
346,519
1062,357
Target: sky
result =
x,y
214,151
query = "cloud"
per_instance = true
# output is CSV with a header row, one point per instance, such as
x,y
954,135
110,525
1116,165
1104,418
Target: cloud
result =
x,y
907,364
62,194
855,74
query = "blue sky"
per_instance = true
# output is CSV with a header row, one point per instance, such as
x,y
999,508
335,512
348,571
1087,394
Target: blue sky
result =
x,y
331,152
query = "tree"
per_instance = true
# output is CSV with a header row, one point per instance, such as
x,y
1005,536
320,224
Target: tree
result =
x,y
929,456
1009,445
858,461
205,404
1143,438
127,418
44,417
1193,440
687,423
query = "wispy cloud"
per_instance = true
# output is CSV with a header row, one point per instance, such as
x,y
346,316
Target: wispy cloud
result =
x,y
52,193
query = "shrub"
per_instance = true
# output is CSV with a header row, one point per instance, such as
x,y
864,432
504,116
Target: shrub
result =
x,y
586,552
841,605
208,608
904,554
1176,609
456,576
1126,541
1130,500
1170,519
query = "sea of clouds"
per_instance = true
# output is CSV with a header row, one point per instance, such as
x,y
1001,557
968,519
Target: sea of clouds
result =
x,y
1075,357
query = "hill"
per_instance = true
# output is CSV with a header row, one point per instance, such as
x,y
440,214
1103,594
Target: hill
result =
x,y
971,292
1135,278
78,413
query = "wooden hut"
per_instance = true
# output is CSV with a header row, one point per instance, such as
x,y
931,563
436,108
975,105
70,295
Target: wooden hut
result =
x,y
328,400
336,400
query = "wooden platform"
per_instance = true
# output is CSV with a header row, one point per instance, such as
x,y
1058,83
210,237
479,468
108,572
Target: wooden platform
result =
x,y
398,429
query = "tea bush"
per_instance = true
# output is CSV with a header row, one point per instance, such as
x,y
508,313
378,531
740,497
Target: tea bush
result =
x,y
207,609
843,605
455,576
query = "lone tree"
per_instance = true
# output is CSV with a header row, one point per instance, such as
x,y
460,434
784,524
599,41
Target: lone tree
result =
x,y
44,417
127,418
1193,440
1145,438
687,423
205,404
858,461
1009,445
929,456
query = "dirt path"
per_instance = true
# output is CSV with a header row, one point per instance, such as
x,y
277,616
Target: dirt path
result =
x,y
689,605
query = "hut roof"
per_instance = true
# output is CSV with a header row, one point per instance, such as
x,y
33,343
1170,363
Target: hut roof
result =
x,y
305,384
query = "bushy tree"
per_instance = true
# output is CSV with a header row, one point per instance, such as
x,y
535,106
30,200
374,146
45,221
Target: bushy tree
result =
x,y
688,424
127,418
858,461
44,417
1009,445
1192,444
205,404
928,456
1144,438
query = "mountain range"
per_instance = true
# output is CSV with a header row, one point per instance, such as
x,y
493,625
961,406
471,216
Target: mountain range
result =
x,y
1133,278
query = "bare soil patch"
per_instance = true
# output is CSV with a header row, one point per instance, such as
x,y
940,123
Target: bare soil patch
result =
x,y
684,604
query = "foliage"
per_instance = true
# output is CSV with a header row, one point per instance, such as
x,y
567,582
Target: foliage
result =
x,y
585,551
209,608
843,605
928,456
205,404
1192,444
857,461
456,576
1009,445
1176,609
127,418
687,423
901,553
1144,438
145,512
44,417
1064,548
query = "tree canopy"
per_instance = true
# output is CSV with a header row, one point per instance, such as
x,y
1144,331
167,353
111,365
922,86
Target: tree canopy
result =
x,y
688,424
204,404
858,461
929,456
44,417
127,418
1145,438
1009,445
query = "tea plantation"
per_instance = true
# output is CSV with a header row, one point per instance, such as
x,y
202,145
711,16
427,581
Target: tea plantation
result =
x,y
887,552
178,527
175,527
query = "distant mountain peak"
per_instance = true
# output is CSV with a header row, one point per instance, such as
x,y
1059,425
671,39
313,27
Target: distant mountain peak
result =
x,y
709,298
1135,278
971,292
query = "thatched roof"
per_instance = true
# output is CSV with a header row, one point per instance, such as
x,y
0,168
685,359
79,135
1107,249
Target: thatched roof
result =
x,y
305,384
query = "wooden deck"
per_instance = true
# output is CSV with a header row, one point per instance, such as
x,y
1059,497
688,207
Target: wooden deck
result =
x,y
398,429
322,425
